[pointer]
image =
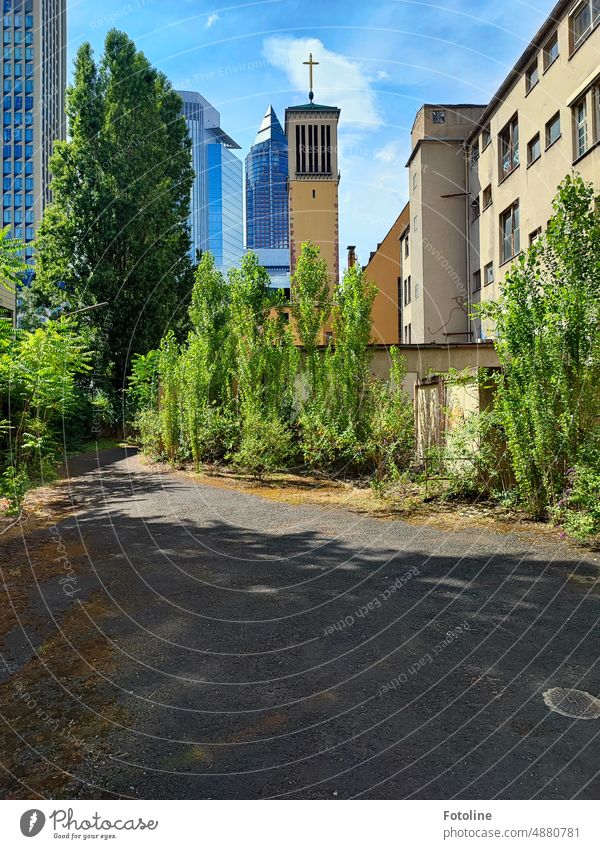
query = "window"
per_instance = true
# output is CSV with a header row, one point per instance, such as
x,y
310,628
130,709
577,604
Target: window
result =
x,y
477,280
534,149
509,233
553,130
532,76
488,274
415,223
533,237
406,246
438,116
475,209
486,137
407,334
581,133
487,196
583,20
407,291
509,148
414,180
475,153
550,51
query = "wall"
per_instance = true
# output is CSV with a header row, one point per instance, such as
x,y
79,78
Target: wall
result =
x,y
314,217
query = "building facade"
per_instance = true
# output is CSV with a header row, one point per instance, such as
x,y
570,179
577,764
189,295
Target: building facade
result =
x,y
482,179
434,269
267,214
34,75
384,268
311,131
225,206
216,206
542,124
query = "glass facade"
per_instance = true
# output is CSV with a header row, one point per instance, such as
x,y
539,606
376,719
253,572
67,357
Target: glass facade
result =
x,y
33,73
216,209
225,206
266,187
18,120
267,216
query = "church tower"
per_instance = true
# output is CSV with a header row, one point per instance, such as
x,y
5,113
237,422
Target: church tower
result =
x,y
313,176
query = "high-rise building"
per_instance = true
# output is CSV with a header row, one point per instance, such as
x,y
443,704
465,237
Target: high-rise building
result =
x,y
34,73
267,222
225,206
216,213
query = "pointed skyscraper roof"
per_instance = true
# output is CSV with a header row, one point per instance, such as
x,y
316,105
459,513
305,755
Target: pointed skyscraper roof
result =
x,y
270,128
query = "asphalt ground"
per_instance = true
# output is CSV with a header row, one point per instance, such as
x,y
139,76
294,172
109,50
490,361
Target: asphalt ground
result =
x,y
200,642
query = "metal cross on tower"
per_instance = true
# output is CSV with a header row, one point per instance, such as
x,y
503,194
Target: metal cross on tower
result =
x,y
311,65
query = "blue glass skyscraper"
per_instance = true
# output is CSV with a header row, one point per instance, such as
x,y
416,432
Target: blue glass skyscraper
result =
x,y
267,227
33,72
216,213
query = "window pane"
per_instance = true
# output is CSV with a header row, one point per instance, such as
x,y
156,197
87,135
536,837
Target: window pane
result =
x,y
582,21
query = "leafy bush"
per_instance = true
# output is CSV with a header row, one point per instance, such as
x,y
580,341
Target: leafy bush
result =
x,y
149,428
39,397
267,444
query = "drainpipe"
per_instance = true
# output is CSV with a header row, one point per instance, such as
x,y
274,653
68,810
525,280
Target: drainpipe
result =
x,y
468,241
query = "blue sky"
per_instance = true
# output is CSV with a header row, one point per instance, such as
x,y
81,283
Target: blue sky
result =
x,y
380,59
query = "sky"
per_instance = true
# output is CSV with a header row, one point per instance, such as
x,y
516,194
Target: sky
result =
x,y
379,61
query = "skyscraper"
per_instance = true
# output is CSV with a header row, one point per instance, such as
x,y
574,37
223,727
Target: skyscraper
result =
x,y
216,216
34,73
267,227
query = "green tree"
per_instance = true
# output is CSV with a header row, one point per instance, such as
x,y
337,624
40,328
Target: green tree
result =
x,y
548,342
116,229
310,305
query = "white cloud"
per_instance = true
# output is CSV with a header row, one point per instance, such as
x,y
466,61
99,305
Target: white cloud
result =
x,y
393,151
212,19
382,75
339,81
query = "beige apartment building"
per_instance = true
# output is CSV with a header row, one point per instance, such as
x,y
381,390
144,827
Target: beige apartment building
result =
x,y
542,124
482,179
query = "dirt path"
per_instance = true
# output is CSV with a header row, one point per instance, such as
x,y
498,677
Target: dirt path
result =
x,y
163,636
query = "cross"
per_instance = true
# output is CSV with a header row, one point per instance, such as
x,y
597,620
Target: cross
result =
x,y
311,65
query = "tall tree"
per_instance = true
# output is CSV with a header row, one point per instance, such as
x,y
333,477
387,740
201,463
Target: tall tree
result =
x,y
116,229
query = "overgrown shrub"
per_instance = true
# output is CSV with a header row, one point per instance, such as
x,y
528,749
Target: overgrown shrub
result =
x,y
266,445
230,392
39,395
548,342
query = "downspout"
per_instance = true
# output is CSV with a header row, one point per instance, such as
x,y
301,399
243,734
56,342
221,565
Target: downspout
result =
x,y
468,241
